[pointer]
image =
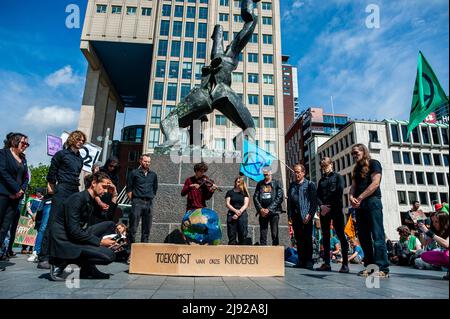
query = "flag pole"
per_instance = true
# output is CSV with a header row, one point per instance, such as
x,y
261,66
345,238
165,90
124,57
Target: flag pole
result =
x,y
334,119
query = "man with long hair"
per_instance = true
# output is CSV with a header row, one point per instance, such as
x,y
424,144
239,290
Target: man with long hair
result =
x,y
365,197
63,180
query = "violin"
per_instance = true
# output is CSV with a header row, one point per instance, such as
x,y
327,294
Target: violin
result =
x,y
209,183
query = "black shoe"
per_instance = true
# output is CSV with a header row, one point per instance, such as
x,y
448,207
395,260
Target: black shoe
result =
x,y
344,269
11,254
4,257
57,273
323,267
91,272
43,265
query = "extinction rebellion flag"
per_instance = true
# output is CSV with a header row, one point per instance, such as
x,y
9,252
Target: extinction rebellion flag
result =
x,y
428,94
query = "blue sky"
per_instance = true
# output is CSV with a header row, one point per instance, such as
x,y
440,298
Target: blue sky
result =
x,y
369,72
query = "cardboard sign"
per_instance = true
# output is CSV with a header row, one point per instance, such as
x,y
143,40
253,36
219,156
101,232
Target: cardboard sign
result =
x,y
197,260
89,153
25,233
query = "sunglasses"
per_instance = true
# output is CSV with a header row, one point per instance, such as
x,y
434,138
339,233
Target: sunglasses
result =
x,y
25,144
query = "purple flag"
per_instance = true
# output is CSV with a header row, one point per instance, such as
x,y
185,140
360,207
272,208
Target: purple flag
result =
x,y
54,144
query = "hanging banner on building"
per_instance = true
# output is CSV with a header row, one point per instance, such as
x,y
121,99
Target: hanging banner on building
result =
x,y
89,152
54,144
204,260
25,233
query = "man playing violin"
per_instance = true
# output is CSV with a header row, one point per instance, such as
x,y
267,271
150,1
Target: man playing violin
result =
x,y
198,188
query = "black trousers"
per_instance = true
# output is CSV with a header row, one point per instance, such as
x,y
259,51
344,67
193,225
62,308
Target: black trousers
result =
x,y
92,255
338,224
13,229
237,227
264,226
8,210
140,209
62,192
303,237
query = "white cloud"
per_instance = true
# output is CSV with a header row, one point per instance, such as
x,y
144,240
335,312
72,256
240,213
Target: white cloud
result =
x,y
298,4
51,117
61,77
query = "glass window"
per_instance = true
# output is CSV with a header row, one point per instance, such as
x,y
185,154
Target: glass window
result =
x,y
178,11
176,48
417,159
169,108
173,69
156,114
399,177
219,144
204,1
223,17
402,198
153,137
198,70
116,10
188,49
267,20
430,178
237,18
101,8
409,176
415,135
253,57
444,132
269,146
187,70
425,135
158,90
237,3
160,71
256,121
171,92
373,136
190,28
426,158
268,79
396,157
166,10
146,12
405,136
444,197
202,30
190,13
162,48
237,77
423,198
412,196
269,100
252,78
440,179
165,25
254,38
224,3
203,13
221,120
433,197
268,58
269,122
420,178
177,28
266,6
445,157
437,159
267,38
201,50
435,135
407,158
352,138
253,99
131,11
185,89
225,35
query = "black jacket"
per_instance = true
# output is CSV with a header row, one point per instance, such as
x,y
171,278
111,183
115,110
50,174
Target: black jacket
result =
x,y
10,181
68,232
311,194
65,168
330,191
276,195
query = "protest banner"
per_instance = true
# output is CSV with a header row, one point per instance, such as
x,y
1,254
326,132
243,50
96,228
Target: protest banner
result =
x,y
25,233
54,144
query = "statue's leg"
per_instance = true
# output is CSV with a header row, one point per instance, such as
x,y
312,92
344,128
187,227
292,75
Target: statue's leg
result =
x,y
217,37
230,104
241,39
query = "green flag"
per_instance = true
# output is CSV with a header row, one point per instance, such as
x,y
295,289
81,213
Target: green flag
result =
x,y
428,94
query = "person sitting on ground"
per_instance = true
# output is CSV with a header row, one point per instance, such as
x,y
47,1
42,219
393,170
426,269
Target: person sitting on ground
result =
x,y
72,242
358,255
406,248
335,251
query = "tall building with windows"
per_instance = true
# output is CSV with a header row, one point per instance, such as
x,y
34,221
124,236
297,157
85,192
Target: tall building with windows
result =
x,y
415,167
290,92
149,54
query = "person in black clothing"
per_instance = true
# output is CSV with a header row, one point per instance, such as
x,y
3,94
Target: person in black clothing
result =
x,y
72,242
329,197
63,180
365,196
13,180
267,199
237,202
302,206
142,185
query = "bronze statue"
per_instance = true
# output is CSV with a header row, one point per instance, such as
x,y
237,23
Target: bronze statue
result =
x,y
215,89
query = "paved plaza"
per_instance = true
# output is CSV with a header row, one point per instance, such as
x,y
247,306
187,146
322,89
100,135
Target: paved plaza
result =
x,y
22,280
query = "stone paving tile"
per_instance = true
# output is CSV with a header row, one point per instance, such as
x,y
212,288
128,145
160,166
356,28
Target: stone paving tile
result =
x,y
133,294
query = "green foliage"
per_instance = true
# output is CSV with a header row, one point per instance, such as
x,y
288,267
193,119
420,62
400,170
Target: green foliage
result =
x,y
38,178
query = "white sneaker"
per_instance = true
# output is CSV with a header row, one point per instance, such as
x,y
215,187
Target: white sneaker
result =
x,y
33,258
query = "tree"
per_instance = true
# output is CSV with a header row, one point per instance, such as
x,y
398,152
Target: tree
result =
x,y
38,178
